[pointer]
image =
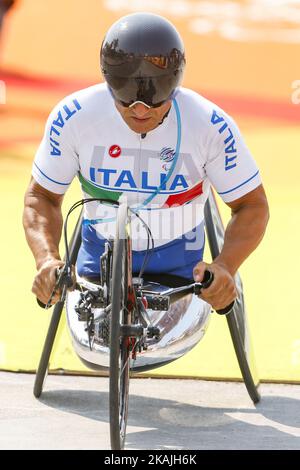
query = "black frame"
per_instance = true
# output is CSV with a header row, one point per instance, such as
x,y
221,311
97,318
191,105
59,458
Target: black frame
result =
x,y
44,363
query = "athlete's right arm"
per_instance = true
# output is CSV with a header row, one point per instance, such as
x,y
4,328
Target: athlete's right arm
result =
x,y
42,221
55,165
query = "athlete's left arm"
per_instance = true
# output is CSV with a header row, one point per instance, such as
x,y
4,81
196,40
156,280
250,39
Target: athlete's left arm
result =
x,y
244,232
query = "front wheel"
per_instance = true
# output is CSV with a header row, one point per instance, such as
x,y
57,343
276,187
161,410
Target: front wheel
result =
x,y
120,346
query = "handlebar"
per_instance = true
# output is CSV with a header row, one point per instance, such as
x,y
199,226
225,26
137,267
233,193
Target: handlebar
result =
x,y
196,289
207,280
63,281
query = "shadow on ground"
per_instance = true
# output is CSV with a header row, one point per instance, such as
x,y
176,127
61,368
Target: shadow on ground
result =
x,y
273,424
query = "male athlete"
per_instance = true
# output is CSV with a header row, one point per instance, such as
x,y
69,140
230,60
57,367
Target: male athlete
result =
x,y
142,136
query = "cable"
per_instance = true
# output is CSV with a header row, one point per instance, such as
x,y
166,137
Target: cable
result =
x,y
150,236
65,275
116,204
77,204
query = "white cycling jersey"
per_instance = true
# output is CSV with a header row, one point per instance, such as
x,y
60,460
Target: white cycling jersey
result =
x,y
165,175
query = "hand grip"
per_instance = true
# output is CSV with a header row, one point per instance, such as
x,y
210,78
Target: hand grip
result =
x,y
226,310
207,280
41,304
58,273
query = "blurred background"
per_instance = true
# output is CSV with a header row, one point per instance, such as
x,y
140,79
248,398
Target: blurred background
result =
x,y
243,55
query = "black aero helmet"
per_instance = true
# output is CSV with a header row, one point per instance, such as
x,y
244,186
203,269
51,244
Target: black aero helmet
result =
x,y
142,59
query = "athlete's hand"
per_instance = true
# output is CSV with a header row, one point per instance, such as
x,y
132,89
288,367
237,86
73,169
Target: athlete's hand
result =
x,y
45,280
222,291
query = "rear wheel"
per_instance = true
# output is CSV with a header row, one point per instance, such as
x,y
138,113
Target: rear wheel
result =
x,y
120,347
237,318
43,366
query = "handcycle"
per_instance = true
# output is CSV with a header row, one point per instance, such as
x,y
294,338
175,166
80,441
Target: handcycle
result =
x,y
124,322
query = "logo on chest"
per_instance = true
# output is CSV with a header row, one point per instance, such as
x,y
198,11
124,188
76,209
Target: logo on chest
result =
x,y
115,151
167,156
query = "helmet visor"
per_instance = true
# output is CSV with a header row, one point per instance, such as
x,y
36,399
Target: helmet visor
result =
x,y
152,91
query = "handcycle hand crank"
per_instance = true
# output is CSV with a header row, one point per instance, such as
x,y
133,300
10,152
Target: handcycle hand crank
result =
x,y
64,281
195,288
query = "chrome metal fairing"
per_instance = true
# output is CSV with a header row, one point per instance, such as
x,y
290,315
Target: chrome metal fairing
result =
x,y
181,328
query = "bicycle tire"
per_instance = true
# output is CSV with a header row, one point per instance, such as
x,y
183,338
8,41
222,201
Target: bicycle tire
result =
x,y
236,319
119,347
43,366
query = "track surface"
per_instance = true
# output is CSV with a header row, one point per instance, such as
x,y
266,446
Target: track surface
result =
x,y
164,414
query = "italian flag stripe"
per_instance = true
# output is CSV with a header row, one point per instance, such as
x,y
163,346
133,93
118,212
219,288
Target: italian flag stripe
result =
x,y
183,198
94,191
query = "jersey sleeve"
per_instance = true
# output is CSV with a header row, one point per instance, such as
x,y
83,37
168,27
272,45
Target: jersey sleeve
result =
x,y
56,162
230,166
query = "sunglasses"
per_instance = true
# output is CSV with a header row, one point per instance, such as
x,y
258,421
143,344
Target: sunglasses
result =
x,y
132,103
